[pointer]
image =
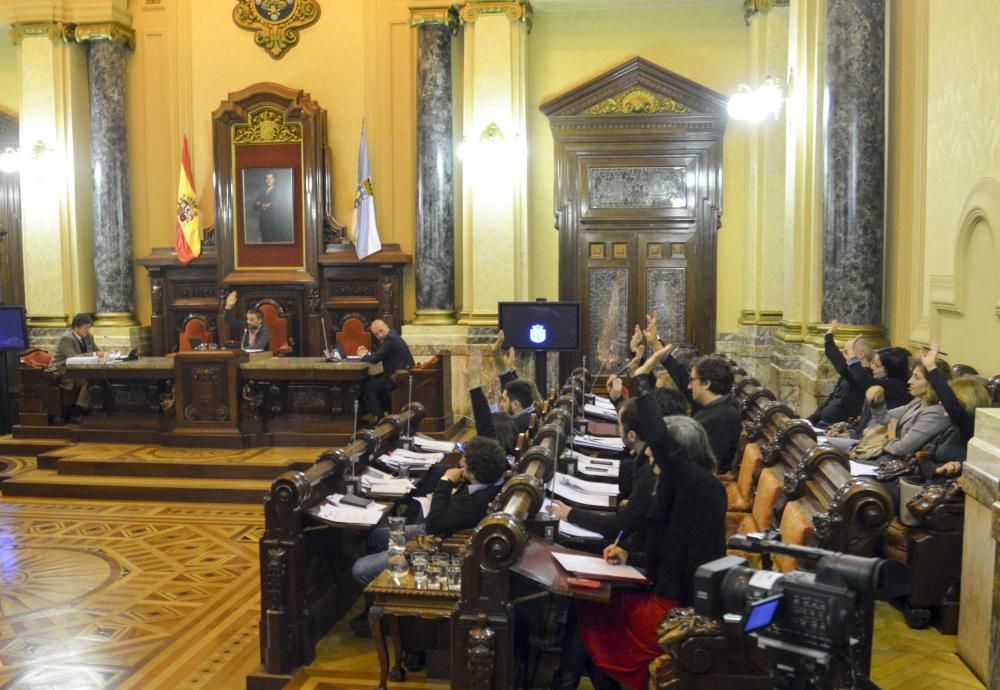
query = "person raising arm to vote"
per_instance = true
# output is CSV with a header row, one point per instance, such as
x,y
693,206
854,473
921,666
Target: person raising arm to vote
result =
x,y
685,527
253,333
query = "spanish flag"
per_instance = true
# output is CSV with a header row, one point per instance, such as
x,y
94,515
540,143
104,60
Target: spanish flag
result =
x,y
187,236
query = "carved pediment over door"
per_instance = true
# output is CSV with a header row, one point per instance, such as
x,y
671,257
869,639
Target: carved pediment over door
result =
x,y
638,158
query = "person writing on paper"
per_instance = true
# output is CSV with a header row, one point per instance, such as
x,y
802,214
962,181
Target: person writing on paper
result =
x,y
75,341
460,501
684,528
253,333
394,355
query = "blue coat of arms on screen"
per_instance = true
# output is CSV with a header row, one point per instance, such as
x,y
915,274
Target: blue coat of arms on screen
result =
x,y
537,333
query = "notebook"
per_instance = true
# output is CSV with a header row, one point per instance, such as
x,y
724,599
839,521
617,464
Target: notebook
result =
x,y
598,568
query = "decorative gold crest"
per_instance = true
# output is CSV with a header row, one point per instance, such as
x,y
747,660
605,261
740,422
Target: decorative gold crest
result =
x,y
637,100
275,23
266,125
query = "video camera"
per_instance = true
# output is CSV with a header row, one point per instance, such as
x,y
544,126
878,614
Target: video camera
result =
x,y
815,626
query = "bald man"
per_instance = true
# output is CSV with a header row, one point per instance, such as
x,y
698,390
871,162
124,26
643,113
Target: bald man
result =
x,y
394,355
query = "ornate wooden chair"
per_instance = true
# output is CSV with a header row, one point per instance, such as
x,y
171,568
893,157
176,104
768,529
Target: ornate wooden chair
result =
x,y
276,318
432,388
353,334
195,326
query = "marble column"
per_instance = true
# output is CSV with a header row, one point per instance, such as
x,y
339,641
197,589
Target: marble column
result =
x,y
107,47
854,143
435,264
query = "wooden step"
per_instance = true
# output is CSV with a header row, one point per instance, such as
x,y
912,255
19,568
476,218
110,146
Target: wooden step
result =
x,y
131,467
50,484
29,447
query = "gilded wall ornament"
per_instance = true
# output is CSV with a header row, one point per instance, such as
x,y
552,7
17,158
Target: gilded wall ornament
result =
x,y
637,100
266,125
275,23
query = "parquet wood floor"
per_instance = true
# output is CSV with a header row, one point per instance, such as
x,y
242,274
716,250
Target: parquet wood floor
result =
x,y
97,595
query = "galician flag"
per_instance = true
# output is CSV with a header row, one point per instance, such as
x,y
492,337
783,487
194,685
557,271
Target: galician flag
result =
x,y
364,234
187,236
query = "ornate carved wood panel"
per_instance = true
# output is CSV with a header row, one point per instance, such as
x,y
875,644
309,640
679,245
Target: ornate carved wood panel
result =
x,y
638,154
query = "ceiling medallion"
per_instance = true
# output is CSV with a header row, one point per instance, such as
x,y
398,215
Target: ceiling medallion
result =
x,y
275,23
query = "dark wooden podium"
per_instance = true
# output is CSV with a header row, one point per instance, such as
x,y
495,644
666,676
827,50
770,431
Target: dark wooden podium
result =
x,y
206,394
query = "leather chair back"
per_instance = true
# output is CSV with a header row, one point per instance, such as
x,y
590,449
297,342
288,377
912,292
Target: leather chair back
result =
x,y
353,335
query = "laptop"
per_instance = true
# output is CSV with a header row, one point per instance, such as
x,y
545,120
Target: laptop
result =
x,y
195,343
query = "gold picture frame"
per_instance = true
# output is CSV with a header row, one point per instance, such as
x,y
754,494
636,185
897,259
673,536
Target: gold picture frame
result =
x,y
275,23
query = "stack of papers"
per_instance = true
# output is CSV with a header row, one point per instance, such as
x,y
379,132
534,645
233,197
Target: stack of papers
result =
x,y
598,568
376,482
604,402
83,359
600,412
571,530
429,444
582,492
333,511
413,459
611,444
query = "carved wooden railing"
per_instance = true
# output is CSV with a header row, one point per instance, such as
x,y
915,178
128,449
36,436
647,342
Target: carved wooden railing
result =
x,y
482,633
848,513
305,574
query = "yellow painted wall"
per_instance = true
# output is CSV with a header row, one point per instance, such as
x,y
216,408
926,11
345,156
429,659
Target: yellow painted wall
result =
x,y
10,84
955,271
709,45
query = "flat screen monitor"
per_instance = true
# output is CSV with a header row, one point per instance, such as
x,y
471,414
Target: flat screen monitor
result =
x,y
541,325
13,329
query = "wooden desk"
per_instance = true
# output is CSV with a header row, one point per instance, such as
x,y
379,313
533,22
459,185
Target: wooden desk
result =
x,y
403,599
221,398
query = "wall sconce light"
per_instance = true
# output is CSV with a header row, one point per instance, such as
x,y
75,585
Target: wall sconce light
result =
x,y
753,105
490,145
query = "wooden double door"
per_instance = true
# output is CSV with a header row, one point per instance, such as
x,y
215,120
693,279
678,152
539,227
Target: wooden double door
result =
x,y
638,205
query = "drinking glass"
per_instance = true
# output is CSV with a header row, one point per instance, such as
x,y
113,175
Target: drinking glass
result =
x,y
454,576
434,574
418,564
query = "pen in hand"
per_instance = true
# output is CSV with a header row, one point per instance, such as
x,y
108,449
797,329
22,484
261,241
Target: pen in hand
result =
x,y
610,554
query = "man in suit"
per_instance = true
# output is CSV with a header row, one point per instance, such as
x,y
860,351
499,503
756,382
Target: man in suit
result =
x,y
273,218
394,354
252,333
76,341
517,396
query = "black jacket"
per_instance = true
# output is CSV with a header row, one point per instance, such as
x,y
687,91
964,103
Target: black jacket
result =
x,y
721,421
522,420
238,327
686,522
720,418
847,397
897,393
453,512
392,352
627,519
952,443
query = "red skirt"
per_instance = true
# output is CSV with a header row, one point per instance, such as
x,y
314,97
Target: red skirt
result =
x,y
621,635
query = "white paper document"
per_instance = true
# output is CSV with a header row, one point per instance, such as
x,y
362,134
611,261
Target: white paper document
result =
x,y
412,459
83,359
392,487
425,504
571,530
597,568
334,511
606,403
575,495
427,443
599,412
595,488
606,443
860,469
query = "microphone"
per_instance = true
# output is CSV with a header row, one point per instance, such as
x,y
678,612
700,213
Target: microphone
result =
x,y
407,440
354,437
326,345
246,329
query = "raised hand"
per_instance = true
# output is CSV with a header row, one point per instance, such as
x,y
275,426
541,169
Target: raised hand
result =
x,y
509,359
650,333
929,357
832,330
650,364
473,370
636,340
614,387
875,395
496,348
231,300
850,347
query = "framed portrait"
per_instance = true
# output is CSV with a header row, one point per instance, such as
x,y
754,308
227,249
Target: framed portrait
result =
x,y
268,205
